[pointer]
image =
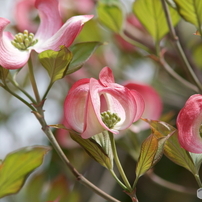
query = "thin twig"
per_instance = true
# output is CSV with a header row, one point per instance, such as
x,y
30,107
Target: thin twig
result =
x,y
179,47
22,90
169,185
168,68
18,97
40,116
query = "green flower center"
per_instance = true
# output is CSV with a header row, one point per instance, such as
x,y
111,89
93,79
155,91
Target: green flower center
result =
x,y
110,119
24,40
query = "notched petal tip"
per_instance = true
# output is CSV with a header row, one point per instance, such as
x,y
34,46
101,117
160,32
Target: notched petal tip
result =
x,y
86,18
106,76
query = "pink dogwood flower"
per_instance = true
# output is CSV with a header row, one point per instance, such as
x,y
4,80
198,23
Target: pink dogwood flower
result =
x,y
51,34
93,106
189,124
153,104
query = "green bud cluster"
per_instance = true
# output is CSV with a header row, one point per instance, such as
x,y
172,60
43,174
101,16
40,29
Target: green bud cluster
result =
x,y
110,119
24,40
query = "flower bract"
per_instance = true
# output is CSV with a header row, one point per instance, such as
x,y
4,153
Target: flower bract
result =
x,y
189,122
93,106
51,34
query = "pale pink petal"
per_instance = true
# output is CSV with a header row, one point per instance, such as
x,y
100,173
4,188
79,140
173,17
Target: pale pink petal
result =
x,y
119,100
88,98
79,113
75,105
79,84
140,102
189,122
10,57
92,124
106,77
65,35
50,19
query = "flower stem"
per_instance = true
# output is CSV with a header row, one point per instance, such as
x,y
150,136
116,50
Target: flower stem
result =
x,y
47,91
198,180
177,76
179,47
118,164
33,81
169,185
40,116
18,97
22,90
117,179
135,182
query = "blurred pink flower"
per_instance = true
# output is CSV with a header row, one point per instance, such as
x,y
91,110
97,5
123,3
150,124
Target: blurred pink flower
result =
x,y
123,44
24,14
134,27
51,34
153,104
91,104
79,6
84,6
133,20
189,124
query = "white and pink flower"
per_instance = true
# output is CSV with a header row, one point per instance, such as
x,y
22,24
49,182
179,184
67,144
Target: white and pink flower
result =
x,y
89,100
51,34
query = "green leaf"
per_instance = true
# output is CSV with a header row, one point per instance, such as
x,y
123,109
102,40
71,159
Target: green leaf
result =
x,y
59,191
103,140
94,150
56,62
191,11
81,53
172,148
148,151
17,166
44,188
197,160
151,15
159,152
111,15
35,186
86,33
